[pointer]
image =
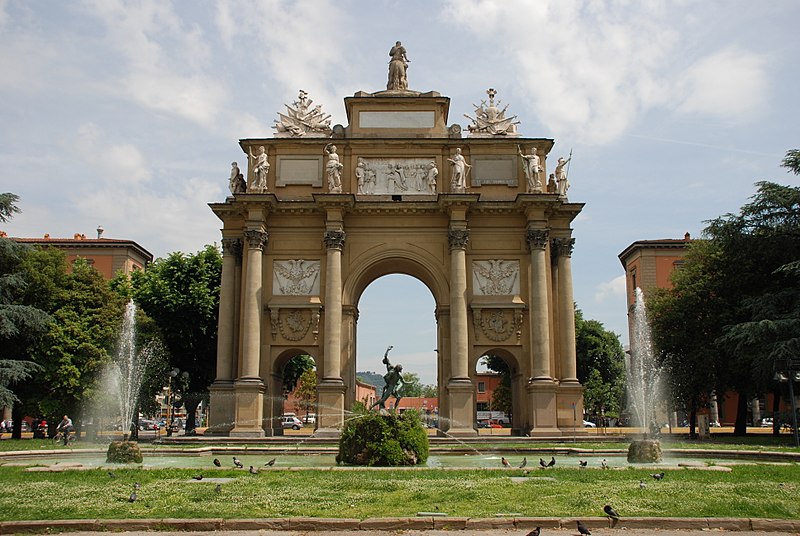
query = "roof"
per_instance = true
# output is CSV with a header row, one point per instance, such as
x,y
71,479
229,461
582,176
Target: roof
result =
x,y
91,243
664,243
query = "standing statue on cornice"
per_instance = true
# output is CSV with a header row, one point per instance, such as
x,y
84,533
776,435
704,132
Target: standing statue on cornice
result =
x,y
260,171
333,170
237,184
458,178
398,66
532,170
562,170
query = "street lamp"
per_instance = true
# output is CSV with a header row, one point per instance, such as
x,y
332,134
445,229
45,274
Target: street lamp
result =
x,y
172,375
788,370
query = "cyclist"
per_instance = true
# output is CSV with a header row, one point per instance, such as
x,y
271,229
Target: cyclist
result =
x,y
65,427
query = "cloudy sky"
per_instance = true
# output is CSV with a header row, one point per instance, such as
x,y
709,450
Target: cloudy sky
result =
x,y
128,114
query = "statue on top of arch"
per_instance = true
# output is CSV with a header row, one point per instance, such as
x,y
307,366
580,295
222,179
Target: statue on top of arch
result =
x,y
301,120
490,120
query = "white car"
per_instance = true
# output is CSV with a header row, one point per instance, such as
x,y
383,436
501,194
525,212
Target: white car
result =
x,y
290,421
589,424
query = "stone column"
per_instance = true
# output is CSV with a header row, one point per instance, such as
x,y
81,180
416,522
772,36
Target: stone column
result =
x,y
331,389
249,385
541,389
569,393
460,389
566,309
221,406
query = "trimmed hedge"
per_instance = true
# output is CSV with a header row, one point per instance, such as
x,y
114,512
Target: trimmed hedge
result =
x,y
374,439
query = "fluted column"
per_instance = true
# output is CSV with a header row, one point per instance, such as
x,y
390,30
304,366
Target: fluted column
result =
x,y
566,310
540,317
251,324
459,335
334,243
231,249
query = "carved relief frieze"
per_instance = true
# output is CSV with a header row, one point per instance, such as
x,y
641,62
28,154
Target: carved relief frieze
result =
x,y
295,277
406,176
495,277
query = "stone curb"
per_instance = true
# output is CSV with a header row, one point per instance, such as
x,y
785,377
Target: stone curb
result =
x,y
315,524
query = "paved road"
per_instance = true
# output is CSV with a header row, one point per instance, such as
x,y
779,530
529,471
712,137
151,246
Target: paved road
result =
x,y
495,532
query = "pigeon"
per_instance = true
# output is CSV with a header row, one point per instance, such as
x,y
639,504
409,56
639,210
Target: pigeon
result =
x,y
237,463
112,474
583,463
217,462
582,529
604,464
133,497
535,532
524,462
270,463
642,485
610,512
198,477
505,462
218,489
253,470
552,461
136,485
658,476
542,463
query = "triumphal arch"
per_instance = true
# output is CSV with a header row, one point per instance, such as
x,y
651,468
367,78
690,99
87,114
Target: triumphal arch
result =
x,y
320,212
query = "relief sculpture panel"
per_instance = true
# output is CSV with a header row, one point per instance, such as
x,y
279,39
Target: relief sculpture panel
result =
x,y
495,277
296,277
381,176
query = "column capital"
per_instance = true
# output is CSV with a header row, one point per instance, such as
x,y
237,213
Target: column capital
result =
x,y
563,246
458,238
334,239
232,246
256,239
537,238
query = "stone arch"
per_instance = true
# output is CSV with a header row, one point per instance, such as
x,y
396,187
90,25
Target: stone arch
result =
x,y
513,359
273,403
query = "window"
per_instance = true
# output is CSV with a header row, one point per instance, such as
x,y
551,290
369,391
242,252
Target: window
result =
x,y
481,387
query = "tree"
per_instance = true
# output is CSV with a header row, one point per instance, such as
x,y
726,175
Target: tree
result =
x,y
21,322
430,391
306,391
8,206
501,396
294,370
412,387
181,294
600,366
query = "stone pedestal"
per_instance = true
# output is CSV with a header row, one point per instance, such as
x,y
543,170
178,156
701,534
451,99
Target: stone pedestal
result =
x,y
569,400
249,408
542,403
462,408
644,451
221,408
330,412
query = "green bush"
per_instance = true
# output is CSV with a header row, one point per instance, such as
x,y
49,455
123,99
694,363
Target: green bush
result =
x,y
123,452
383,440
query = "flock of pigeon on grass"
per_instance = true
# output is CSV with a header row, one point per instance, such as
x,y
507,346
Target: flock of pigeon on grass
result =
x,y
582,529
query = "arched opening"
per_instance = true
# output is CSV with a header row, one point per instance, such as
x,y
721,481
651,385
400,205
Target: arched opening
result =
x,y
294,405
398,310
497,392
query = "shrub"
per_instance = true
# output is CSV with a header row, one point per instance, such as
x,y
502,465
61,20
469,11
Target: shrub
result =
x,y
383,440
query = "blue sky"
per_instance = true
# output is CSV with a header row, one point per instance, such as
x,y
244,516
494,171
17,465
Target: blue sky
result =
x,y
128,114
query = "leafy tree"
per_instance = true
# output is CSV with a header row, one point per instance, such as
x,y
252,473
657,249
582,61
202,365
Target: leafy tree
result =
x,y
600,366
306,391
8,206
181,294
411,385
430,391
21,322
294,370
501,397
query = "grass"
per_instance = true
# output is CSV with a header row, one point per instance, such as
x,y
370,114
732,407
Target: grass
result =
x,y
762,491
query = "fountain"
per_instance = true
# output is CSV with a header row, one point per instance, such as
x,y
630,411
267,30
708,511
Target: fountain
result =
x,y
124,377
644,386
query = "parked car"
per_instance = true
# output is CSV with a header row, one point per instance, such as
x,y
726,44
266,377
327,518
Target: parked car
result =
x,y
766,423
310,418
589,424
147,424
290,421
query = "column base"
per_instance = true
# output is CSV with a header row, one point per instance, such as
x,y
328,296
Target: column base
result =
x,y
221,408
249,411
542,403
330,410
569,400
461,395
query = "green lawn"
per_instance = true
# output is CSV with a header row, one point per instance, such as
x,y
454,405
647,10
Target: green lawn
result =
x,y
763,491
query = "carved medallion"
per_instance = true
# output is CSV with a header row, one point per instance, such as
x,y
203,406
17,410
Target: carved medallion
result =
x,y
498,324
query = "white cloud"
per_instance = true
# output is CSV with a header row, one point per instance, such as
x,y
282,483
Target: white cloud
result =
x,y
610,289
120,163
731,84
164,61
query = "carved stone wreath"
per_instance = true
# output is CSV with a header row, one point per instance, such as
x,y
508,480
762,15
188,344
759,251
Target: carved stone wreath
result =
x,y
498,324
294,324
